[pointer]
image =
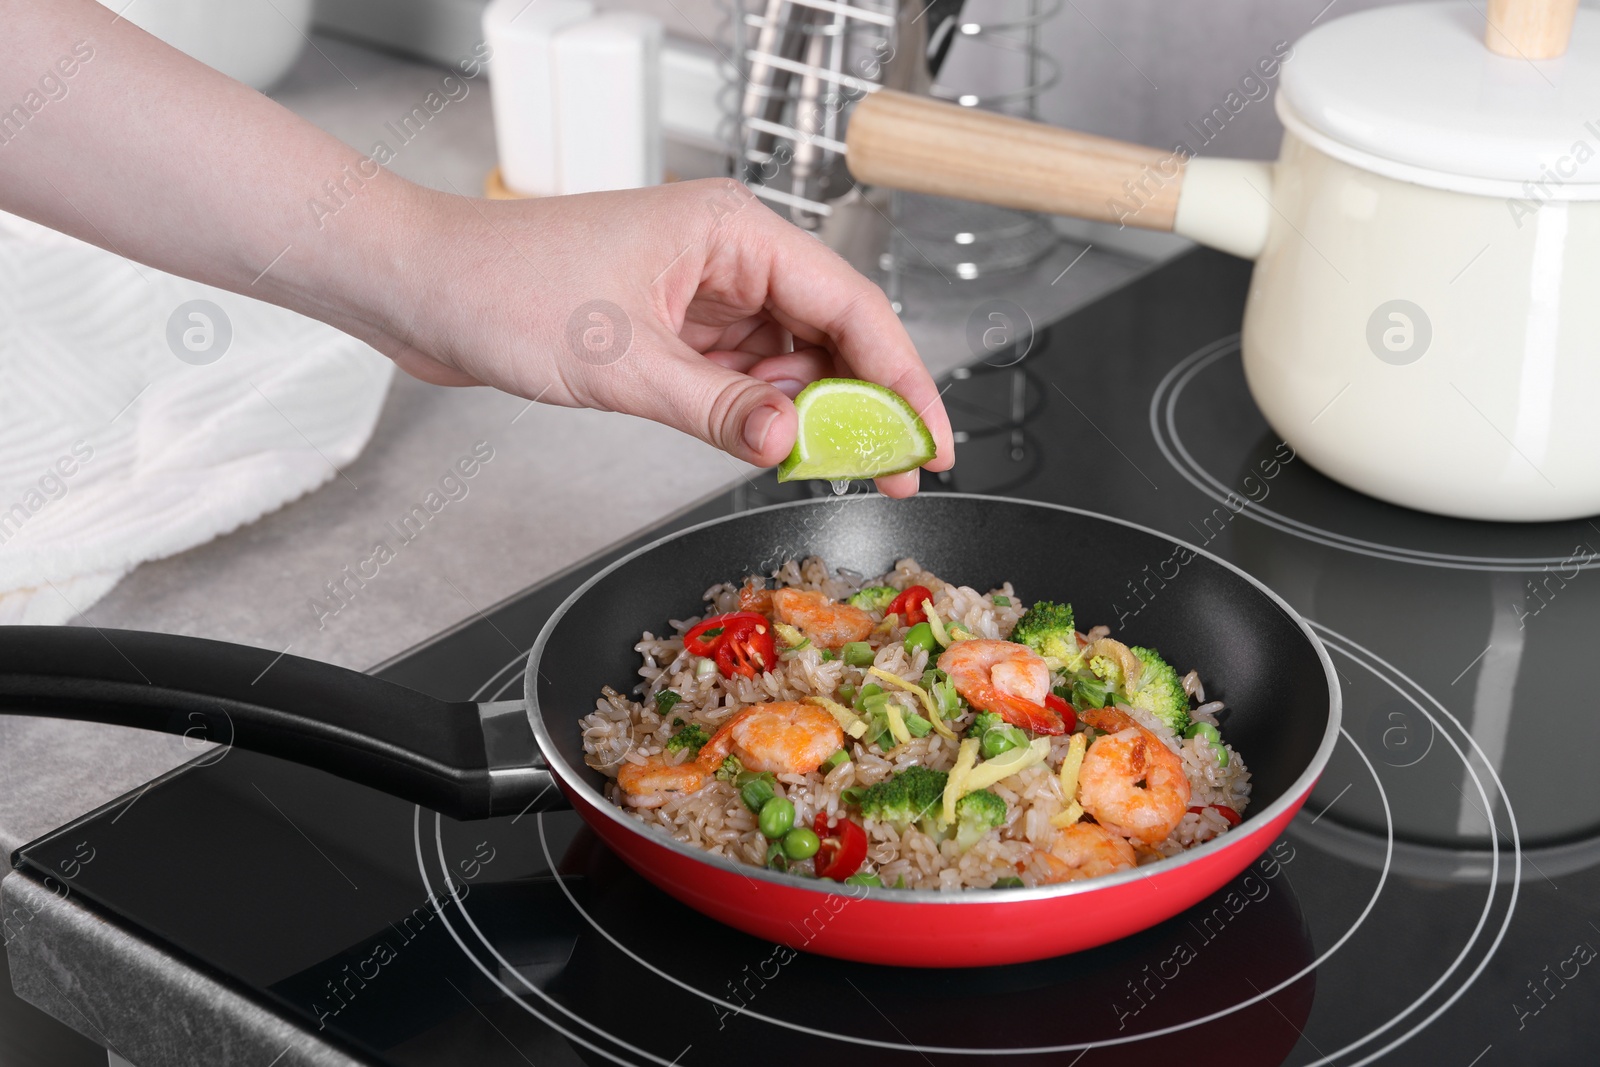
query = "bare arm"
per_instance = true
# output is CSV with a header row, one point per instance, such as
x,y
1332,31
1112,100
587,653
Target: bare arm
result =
x,y
115,138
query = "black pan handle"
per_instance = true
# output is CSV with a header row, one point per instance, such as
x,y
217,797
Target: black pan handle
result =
x,y
464,760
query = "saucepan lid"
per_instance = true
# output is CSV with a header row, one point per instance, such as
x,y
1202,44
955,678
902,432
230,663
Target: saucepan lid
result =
x,y
1413,92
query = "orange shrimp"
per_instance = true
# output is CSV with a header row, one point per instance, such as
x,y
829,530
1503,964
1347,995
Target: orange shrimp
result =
x,y
1006,678
785,737
1085,850
827,623
1130,781
651,783
753,597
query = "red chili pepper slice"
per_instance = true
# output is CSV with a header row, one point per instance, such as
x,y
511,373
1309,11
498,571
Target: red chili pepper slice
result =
x,y
843,850
908,605
1226,812
1069,717
740,642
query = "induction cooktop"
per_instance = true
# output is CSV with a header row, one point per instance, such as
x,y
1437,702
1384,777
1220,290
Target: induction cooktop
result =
x,y
1437,902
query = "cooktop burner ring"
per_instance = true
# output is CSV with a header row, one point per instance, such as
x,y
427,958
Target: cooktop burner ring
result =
x,y
499,684
1164,427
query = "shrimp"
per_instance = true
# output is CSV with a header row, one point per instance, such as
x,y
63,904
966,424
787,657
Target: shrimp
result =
x,y
1130,781
1085,850
786,737
651,783
753,597
1006,678
827,623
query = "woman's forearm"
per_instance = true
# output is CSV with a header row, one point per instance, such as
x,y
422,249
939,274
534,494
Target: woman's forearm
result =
x,y
190,171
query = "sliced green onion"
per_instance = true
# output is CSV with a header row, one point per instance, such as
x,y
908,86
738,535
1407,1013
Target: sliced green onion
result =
x,y
874,701
704,668
665,701
1002,738
1012,882
829,655
840,757
756,792
775,857
864,879
1089,693
1002,601
858,654
847,692
852,794
917,725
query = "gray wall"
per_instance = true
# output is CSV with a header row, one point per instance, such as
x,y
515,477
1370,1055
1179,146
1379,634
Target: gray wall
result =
x,y
1133,69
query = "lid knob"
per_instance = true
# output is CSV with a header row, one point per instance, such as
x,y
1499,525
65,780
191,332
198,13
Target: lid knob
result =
x,y
1529,29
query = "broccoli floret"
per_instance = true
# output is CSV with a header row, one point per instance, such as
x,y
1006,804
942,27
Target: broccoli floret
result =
x,y
1107,670
905,798
731,768
1160,690
691,737
1047,628
976,814
982,723
874,598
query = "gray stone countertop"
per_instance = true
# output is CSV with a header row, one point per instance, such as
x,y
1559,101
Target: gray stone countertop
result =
x,y
562,483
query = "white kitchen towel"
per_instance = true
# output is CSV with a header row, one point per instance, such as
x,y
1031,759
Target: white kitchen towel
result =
x,y
136,423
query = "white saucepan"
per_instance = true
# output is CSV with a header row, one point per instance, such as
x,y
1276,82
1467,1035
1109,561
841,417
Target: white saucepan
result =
x,y
1424,319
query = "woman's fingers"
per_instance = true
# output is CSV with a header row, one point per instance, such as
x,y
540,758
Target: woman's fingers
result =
x,y
664,380
821,299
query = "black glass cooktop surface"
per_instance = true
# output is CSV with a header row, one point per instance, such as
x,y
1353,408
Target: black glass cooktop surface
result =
x,y
1436,903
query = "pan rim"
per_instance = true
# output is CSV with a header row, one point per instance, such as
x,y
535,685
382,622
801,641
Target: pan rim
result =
x,y
1291,796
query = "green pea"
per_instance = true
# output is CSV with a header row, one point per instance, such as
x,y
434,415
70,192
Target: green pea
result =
x,y
857,654
1212,737
776,817
800,843
864,879
1000,739
756,793
920,638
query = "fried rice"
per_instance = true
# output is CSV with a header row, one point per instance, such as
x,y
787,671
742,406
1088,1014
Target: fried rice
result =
x,y
716,820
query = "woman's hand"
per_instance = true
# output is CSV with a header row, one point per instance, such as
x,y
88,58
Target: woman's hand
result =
x,y
691,304
717,311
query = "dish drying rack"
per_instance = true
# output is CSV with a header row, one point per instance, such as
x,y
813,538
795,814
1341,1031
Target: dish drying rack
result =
x,y
798,66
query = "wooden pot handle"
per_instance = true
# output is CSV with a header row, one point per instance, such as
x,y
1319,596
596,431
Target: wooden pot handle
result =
x,y
1529,29
926,146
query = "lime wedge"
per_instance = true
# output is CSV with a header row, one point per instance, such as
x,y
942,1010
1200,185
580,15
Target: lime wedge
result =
x,y
854,429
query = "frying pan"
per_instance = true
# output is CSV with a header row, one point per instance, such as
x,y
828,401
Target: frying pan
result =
x,y
471,761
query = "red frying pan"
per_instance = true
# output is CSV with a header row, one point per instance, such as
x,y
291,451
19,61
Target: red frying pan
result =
x,y
479,760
